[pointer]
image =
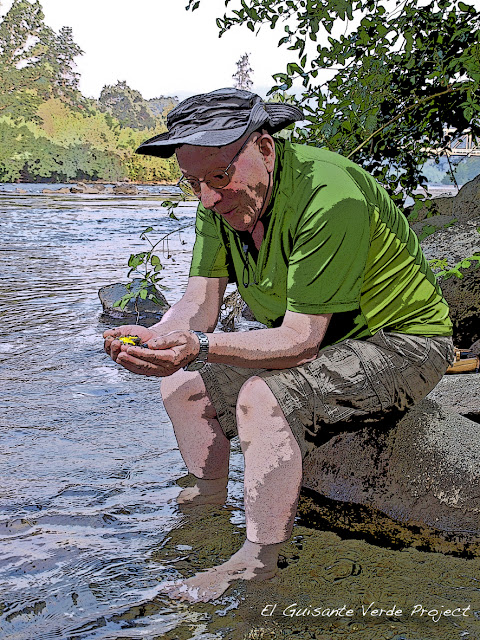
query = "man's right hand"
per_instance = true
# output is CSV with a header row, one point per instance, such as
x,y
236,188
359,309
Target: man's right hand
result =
x,y
113,347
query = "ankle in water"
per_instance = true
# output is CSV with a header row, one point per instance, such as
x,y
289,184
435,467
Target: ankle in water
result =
x,y
211,486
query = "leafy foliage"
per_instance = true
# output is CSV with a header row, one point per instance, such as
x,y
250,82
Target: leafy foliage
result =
x,y
35,62
48,130
381,87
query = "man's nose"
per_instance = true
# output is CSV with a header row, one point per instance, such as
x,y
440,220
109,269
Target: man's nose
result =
x,y
208,196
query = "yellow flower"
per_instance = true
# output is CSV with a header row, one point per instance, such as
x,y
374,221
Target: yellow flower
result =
x,y
135,340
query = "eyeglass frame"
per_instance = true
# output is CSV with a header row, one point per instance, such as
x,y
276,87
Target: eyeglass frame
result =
x,y
184,179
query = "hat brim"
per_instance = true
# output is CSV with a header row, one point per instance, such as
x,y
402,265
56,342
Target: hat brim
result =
x,y
273,116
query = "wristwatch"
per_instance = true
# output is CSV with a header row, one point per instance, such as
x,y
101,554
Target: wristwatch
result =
x,y
202,355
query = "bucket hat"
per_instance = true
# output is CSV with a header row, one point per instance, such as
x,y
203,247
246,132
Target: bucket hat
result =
x,y
219,118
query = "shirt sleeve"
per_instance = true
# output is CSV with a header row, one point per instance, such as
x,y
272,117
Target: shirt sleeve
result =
x,y
209,256
330,247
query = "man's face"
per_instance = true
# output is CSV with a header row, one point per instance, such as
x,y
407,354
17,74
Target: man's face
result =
x,y
241,201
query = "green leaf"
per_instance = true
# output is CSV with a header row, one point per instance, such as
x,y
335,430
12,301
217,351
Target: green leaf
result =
x,y
155,260
136,259
143,294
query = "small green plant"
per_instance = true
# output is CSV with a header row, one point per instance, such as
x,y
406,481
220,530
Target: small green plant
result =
x,y
437,263
456,270
146,266
465,263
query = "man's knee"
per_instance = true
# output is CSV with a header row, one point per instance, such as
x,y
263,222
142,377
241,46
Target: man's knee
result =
x,y
185,389
255,403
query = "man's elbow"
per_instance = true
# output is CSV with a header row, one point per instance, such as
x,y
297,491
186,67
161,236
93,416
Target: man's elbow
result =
x,y
308,355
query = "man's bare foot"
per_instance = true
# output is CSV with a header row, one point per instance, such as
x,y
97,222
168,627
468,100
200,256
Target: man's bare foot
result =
x,y
252,562
204,492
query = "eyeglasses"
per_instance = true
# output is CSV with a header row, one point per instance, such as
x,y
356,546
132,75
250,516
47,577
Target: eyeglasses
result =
x,y
216,179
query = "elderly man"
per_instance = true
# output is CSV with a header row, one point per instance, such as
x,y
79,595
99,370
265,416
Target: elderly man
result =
x,y
357,325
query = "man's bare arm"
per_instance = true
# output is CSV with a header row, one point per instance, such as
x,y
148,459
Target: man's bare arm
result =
x,y
197,309
294,343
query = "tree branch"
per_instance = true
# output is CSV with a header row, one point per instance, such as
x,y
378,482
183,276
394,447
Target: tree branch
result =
x,y
402,113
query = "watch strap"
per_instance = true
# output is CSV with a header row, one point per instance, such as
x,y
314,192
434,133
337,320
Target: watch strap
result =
x,y
202,355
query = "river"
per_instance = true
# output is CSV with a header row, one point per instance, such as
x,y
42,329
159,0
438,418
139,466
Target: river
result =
x,y
89,466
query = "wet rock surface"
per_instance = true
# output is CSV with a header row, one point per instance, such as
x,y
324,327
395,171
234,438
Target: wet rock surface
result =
x,y
138,311
328,564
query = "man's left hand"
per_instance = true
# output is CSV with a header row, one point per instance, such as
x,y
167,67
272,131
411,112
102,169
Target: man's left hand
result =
x,y
163,356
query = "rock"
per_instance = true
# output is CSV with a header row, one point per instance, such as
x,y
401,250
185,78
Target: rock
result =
x,y
458,241
460,393
464,206
92,189
125,189
476,350
54,191
457,237
423,469
463,297
149,312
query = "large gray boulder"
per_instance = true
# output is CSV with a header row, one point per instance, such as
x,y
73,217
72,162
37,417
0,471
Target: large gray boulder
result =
x,y
464,206
144,312
459,239
423,470
459,393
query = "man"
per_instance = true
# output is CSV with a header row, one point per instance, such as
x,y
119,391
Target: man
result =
x,y
357,326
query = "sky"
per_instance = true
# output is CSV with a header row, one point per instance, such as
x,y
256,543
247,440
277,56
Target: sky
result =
x,y
159,48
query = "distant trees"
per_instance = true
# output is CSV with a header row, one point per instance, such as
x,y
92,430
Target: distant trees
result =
x,y
126,105
49,131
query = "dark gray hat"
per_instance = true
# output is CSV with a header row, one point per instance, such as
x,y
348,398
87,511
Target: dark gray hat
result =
x,y
219,118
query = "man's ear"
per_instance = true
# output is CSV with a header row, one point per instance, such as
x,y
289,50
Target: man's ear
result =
x,y
266,145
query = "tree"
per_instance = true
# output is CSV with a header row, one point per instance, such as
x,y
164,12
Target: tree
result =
x,y
35,63
126,105
242,75
381,87
61,55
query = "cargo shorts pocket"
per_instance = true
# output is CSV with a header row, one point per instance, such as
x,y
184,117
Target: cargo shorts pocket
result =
x,y
415,365
341,385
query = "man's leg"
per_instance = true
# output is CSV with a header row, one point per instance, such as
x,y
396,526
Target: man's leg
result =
x,y
273,475
203,445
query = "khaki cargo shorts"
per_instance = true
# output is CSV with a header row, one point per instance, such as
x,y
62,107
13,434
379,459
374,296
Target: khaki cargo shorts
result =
x,y
353,382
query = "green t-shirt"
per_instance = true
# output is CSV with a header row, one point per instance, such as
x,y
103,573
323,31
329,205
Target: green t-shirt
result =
x,y
334,243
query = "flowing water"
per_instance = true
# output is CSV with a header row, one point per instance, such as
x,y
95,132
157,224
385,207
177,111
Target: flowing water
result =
x,y
88,525
88,457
